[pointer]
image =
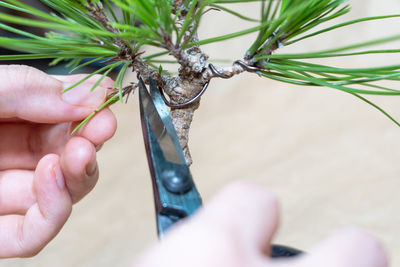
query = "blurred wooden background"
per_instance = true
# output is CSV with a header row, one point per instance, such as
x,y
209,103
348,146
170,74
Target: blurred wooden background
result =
x,y
332,160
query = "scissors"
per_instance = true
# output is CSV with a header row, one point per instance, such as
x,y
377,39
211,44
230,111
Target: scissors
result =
x,y
175,194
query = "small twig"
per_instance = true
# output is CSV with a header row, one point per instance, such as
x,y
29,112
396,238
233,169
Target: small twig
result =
x,y
126,91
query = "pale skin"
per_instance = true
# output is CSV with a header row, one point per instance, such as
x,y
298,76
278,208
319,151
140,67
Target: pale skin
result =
x,y
44,171
236,228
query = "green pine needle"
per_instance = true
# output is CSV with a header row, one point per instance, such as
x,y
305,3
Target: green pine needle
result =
x,y
80,36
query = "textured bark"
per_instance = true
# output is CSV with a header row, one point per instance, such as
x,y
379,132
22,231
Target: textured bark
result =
x,y
181,90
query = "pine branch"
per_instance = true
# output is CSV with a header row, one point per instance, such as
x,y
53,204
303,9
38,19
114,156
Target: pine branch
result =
x,y
90,31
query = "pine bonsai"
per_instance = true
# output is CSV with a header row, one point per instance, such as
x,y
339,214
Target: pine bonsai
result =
x,y
117,33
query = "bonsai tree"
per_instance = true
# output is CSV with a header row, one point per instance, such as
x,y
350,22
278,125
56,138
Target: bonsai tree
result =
x,y
119,34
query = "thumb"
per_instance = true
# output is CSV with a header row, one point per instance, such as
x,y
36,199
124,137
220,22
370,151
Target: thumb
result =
x,y
31,94
247,211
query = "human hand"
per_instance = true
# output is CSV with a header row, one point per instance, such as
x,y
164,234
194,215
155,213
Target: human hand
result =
x,y
236,229
43,169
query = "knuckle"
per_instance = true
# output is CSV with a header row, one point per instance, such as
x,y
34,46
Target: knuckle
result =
x,y
26,75
27,80
23,85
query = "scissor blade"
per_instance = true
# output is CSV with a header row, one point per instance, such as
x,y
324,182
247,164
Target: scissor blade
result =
x,y
161,126
175,194
163,111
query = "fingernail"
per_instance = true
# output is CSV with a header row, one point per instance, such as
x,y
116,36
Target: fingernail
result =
x,y
91,168
82,96
59,177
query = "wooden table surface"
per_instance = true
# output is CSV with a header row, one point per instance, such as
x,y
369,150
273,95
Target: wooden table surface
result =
x,y
332,159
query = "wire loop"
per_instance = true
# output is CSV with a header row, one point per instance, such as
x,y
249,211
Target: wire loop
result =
x,y
246,66
218,73
187,103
